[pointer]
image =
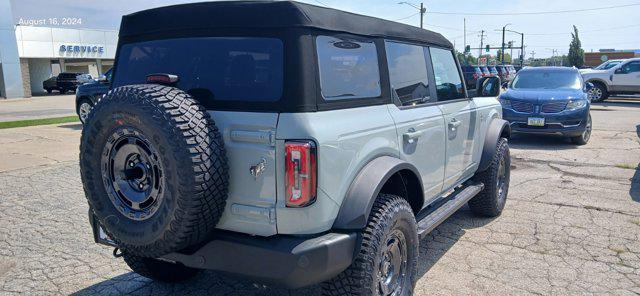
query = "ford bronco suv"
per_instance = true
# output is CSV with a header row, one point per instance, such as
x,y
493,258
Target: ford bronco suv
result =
x,y
287,143
616,77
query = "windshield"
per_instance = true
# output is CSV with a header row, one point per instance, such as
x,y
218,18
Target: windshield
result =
x,y
608,65
547,80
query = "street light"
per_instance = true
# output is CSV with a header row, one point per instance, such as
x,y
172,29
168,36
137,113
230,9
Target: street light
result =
x,y
521,46
422,10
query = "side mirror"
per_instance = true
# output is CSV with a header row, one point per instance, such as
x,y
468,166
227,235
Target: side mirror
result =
x,y
488,86
588,86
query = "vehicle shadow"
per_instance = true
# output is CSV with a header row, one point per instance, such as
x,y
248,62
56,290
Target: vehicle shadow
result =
x,y
432,249
620,102
539,142
634,191
75,127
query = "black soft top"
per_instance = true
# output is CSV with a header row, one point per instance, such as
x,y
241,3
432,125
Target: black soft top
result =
x,y
269,15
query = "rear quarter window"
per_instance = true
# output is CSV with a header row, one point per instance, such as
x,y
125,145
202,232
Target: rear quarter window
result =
x,y
248,69
348,68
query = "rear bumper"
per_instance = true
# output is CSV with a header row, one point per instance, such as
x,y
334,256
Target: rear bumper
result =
x,y
289,261
565,123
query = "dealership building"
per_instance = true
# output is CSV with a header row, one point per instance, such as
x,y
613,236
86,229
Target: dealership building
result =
x,y
29,54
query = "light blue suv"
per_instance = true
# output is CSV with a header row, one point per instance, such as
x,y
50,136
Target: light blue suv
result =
x,y
287,143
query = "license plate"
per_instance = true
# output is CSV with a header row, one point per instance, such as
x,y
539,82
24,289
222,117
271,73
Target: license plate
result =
x,y
534,121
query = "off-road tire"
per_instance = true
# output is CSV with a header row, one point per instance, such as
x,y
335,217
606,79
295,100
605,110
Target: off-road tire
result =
x,y
491,200
158,270
603,90
389,213
194,168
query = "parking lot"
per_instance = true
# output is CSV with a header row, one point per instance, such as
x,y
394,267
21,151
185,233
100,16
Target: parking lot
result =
x,y
571,224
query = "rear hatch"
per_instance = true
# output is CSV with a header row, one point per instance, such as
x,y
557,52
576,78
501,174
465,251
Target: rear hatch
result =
x,y
221,72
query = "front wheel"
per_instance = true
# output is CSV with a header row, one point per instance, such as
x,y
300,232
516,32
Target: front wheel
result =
x,y
585,136
83,109
598,93
491,200
158,270
387,261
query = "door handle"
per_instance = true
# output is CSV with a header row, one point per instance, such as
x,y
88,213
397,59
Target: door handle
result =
x,y
454,123
411,135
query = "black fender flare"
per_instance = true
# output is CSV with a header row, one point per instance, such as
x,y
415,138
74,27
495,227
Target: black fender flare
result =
x,y
358,202
497,128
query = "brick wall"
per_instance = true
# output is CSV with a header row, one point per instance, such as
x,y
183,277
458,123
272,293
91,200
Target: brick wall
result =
x,y
593,59
26,80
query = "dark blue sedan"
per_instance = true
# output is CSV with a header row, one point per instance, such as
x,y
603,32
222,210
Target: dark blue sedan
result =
x,y
548,100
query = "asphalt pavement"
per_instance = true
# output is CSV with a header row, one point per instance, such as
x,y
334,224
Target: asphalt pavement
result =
x,y
47,106
571,225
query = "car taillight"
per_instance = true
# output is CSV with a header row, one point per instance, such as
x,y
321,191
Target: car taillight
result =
x,y
475,75
300,173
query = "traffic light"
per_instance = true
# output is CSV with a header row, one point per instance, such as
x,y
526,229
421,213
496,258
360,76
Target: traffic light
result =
x,y
467,49
487,48
510,44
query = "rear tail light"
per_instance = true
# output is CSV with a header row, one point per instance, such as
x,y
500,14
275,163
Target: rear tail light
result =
x,y
300,173
475,75
163,78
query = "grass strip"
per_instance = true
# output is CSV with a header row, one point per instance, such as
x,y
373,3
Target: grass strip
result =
x,y
43,121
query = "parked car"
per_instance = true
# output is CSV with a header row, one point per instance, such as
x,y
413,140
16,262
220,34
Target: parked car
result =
x,y
485,71
549,100
517,68
504,73
493,71
84,78
50,84
471,75
88,94
615,78
285,169
67,81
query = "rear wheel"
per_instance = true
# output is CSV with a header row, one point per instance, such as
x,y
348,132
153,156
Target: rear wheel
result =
x,y
491,200
49,90
158,270
583,139
388,258
598,93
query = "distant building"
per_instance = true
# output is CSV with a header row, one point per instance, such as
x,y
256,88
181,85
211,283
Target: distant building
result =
x,y
593,59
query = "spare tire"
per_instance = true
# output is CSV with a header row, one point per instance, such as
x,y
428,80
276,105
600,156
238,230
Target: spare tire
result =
x,y
154,169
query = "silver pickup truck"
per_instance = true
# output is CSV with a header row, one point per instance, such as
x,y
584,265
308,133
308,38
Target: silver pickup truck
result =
x,y
287,143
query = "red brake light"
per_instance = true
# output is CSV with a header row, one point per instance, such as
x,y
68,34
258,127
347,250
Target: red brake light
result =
x,y
300,173
162,78
475,75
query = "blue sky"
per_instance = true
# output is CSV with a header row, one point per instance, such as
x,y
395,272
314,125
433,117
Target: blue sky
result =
x,y
617,28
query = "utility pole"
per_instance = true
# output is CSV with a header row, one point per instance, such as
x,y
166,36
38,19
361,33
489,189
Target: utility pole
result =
x,y
481,43
511,54
422,12
533,54
465,36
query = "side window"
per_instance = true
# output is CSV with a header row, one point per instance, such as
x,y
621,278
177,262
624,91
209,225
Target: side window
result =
x,y
632,67
445,70
348,69
408,73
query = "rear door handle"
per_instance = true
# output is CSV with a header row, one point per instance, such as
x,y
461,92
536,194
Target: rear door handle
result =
x,y
454,123
411,135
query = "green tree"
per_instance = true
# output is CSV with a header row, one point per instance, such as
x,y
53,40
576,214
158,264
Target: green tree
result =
x,y
576,53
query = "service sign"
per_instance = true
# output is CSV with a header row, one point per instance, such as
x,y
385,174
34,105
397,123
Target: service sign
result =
x,y
80,50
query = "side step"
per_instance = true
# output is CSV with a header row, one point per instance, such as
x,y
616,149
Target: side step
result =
x,y
432,216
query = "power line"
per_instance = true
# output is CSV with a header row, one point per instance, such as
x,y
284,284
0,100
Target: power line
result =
x,y
586,31
406,17
537,12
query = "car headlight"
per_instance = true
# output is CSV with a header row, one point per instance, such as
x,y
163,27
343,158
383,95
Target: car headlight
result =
x,y
506,103
576,104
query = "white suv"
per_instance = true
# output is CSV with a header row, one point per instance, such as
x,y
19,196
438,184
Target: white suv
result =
x,y
623,78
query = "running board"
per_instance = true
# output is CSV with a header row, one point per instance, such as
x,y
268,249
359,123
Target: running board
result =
x,y
432,216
